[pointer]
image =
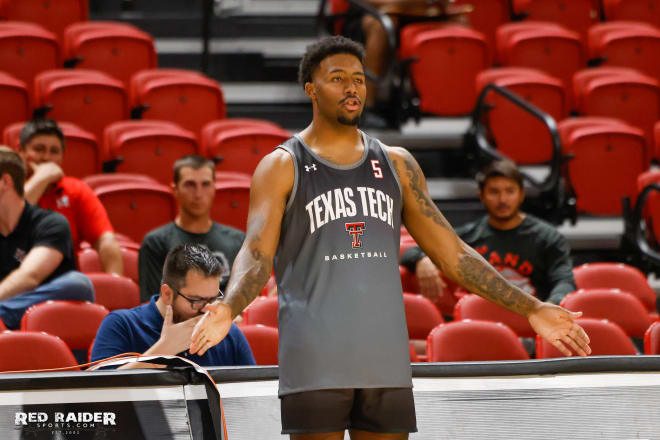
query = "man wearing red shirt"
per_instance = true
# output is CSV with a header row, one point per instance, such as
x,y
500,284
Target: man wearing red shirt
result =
x,y
42,148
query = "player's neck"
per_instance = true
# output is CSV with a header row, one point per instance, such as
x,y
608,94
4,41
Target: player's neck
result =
x,y
192,224
13,207
337,142
506,224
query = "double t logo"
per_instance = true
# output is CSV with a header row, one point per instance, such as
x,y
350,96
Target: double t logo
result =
x,y
356,229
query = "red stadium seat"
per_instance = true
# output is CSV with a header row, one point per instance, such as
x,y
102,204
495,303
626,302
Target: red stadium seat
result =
x,y
576,15
82,156
147,147
232,176
652,339
118,49
616,276
54,16
185,97
626,44
20,351
16,104
262,311
114,291
606,160
475,307
468,340
76,322
616,305
449,59
240,148
3,327
421,315
550,48
413,354
263,342
27,49
88,262
445,303
136,208
633,10
619,93
517,134
606,339
486,16
231,203
96,180
88,98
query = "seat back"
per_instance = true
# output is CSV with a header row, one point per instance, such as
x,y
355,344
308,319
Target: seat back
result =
x,y
633,10
615,305
486,16
231,203
263,342
469,340
421,315
30,350
114,291
652,339
262,311
606,339
16,104
96,180
616,276
76,322
136,208
54,16
576,15
477,308
89,262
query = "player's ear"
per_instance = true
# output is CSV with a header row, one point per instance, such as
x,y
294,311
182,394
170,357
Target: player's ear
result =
x,y
309,90
167,294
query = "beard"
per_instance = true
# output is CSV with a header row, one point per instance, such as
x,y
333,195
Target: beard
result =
x,y
504,218
346,121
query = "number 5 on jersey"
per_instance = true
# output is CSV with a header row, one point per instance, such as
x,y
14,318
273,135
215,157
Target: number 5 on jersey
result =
x,y
378,173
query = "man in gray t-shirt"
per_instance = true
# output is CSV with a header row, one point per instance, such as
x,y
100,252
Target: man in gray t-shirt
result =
x,y
194,189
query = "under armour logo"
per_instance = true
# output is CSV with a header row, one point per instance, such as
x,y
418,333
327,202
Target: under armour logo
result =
x,y
310,168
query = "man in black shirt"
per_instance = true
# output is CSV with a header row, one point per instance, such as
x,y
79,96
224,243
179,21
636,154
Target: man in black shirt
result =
x,y
526,250
36,255
194,189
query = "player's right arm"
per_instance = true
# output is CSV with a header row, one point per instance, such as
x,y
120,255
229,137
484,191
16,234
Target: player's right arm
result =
x,y
271,186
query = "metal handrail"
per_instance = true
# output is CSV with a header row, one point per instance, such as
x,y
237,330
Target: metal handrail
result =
x,y
640,240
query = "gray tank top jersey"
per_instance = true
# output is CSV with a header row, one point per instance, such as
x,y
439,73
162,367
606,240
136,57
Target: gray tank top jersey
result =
x,y
341,316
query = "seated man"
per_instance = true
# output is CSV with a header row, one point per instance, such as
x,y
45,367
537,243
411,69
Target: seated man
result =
x,y
194,190
42,148
526,250
191,280
36,255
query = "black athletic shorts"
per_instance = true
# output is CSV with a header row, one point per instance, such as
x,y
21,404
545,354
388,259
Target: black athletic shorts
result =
x,y
381,410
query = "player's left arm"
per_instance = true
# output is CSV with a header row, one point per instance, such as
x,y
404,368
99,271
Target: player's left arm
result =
x,y
464,265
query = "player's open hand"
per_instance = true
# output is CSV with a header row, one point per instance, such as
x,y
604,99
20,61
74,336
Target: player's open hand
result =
x,y
557,326
211,329
175,337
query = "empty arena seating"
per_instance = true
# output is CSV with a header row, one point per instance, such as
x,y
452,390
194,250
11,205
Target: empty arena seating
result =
x,y
147,147
517,134
616,276
75,322
634,10
541,45
620,93
231,203
470,340
31,350
627,44
239,146
261,311
16,102
477,308
577,15
615,305
27,49
652,339
138,207
96,180
486,16
263,342
606,339
421,315
605,162
88,98
118,49
53,15
114,291
186,97
449,58
88,262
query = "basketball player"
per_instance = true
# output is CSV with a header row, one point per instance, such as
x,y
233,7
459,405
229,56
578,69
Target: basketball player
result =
x,y
327,205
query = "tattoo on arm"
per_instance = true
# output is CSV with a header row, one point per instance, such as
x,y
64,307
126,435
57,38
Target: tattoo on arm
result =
x,y
481,278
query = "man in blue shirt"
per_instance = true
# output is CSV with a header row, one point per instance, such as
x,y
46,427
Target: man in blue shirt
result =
x,y
191,279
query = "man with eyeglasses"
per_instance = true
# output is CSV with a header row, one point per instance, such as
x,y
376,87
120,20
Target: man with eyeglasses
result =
x,y
191,280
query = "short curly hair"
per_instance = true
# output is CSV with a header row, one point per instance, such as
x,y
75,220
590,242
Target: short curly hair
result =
x,y
324,48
